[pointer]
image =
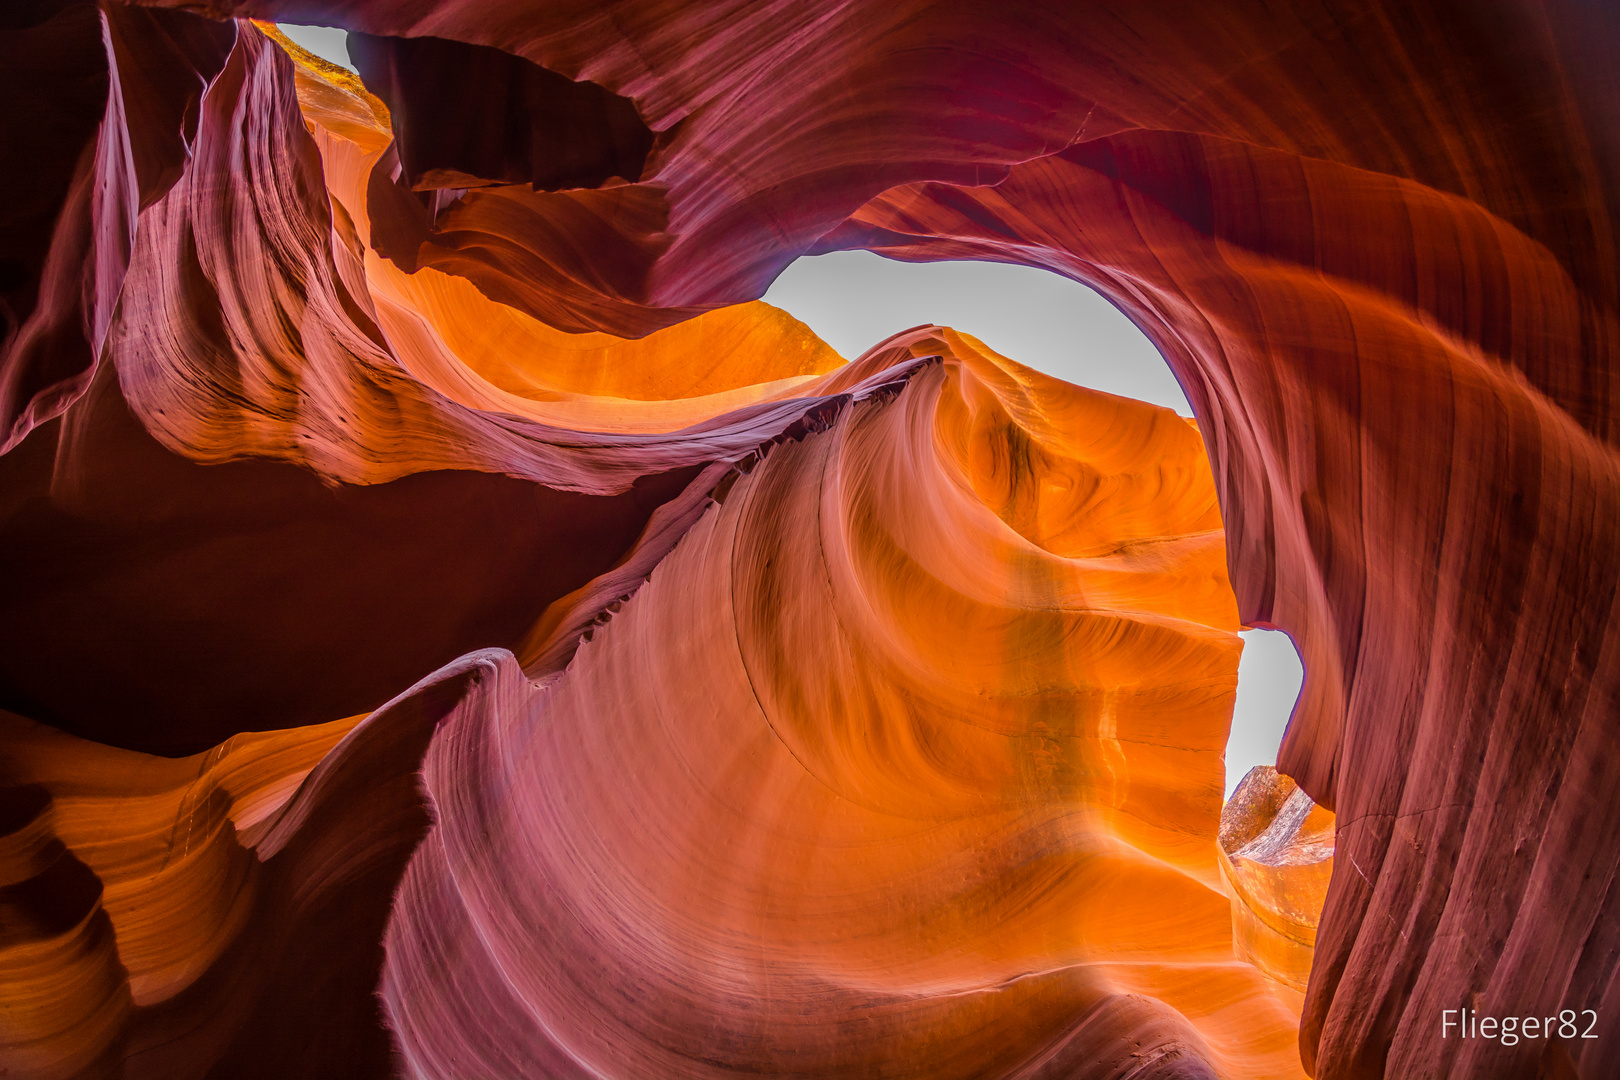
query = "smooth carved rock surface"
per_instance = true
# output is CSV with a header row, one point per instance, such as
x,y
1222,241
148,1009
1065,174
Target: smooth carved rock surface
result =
x,y
291,420
1277,856
895,758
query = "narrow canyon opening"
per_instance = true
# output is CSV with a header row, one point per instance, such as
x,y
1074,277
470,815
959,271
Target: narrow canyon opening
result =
x,y
855,299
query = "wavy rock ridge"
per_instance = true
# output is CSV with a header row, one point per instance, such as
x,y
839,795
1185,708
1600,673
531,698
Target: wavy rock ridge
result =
x,y
295,413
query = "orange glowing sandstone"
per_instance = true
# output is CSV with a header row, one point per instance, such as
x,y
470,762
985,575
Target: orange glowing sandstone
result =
x,y
915,735
127,878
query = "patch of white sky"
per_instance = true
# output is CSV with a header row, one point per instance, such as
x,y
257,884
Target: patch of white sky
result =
x,y
330,43
854,299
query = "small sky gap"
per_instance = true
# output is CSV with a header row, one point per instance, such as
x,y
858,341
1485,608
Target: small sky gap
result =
x,y
330,43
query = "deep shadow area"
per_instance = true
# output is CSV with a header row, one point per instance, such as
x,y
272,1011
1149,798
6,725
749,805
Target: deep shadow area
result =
x,y
159,605
469,115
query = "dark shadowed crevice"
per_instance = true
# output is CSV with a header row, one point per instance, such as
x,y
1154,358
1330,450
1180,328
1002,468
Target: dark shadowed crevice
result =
x,y
470,116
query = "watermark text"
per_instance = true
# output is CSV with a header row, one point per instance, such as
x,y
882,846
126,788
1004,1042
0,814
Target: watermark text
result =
x,y
1469,1024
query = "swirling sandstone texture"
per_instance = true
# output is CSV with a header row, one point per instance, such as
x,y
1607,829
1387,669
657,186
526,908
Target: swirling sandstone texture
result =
x,y
774,715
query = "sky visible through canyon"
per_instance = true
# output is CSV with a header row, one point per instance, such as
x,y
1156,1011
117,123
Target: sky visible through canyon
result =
x,y
854,299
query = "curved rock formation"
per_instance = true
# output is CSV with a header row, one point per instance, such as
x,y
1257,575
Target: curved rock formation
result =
x,y
864,775
195,916
257,389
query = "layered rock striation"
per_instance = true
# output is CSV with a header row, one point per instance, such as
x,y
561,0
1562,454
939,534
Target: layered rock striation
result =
x,y
895,732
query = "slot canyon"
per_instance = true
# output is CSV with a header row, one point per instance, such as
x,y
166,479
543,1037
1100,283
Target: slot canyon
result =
x,y
452,627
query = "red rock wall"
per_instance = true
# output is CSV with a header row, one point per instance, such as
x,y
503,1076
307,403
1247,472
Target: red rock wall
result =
x,y
1376,242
